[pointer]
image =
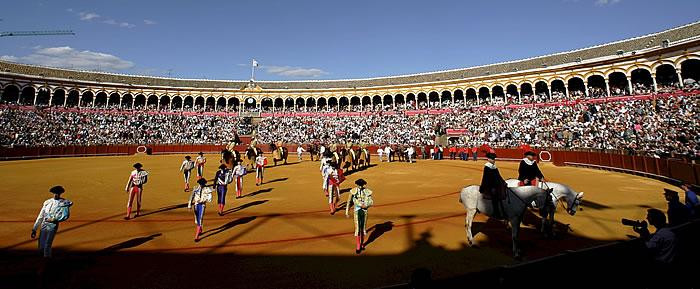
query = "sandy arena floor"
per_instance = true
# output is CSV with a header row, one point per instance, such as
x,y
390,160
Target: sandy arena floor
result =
x,y
281,234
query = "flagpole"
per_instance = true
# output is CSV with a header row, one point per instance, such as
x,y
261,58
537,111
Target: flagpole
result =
x,y
252,70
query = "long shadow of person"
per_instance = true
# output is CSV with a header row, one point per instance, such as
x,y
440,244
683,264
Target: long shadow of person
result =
x,y
261,191
229,225
129,244
378,230
163,209
244,206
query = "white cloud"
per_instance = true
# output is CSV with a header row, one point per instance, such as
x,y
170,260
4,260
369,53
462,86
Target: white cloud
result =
x,y
120,24
290,71
68,57
606,2
149,22
87,16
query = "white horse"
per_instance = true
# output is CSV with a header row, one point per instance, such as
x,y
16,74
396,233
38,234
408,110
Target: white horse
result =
x,y
571,201
516,202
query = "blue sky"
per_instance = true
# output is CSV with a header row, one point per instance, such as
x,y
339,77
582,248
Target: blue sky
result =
x,y
319,39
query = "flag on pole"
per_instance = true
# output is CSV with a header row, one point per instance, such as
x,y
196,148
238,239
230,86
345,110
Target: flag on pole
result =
x,y
255,63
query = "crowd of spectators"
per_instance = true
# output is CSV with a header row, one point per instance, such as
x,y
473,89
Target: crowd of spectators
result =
x,y
661,128
55,128
668,126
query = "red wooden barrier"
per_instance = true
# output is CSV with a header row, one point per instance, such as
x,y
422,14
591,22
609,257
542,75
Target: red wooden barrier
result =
x,y
650,164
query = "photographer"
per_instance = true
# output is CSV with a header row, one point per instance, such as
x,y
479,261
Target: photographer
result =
x,y
662,244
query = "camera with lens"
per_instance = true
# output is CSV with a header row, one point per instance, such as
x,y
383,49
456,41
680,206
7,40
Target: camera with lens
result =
x,y
634,223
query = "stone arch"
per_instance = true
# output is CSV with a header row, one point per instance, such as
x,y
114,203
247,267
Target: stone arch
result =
x,y
176,103
114,100
127,101
267,104
101,99
433,99
321,103
388,100
87,98
576,86
164,102
642,81
484,94
411,99
446,96
43,96
690,70
210,103
343,103
679,61
399,100
512,93
199,103
289,103
618,82
59,97
233,103
311,103
366,101
10,94
376,100
333,103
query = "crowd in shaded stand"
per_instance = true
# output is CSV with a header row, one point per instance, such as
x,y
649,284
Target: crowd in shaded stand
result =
x,y
665,127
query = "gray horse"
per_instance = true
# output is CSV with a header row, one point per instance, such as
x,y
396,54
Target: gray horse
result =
x,y
571,202
514,206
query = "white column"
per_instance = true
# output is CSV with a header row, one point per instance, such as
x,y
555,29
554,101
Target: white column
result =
x,y
653,79
585,88
566,90
629,84
680,78
607,86
520,101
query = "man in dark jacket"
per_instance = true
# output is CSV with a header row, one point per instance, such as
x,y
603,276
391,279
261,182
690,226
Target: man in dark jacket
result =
x,y
528,171
493,187
677,212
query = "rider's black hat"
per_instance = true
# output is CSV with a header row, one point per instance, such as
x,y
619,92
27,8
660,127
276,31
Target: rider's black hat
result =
x,y
138,165
669,192
360,182
530,153
491,156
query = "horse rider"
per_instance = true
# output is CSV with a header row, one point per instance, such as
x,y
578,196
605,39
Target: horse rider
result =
x,y
528,172
493,187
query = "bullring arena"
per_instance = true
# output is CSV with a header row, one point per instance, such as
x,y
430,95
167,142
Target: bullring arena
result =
x,y
283,227
616,121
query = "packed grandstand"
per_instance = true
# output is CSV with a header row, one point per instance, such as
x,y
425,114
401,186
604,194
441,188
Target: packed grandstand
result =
x,y
638,95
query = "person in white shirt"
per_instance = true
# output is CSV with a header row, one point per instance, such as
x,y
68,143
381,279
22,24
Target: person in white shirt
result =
x,y
238,172
387,152
186,168
260,163
409,153
48,219
380,151
134,187
200,161
198,199
300,150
